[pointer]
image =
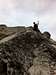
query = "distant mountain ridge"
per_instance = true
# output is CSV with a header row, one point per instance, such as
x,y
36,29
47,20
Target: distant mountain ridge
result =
x,y
6,31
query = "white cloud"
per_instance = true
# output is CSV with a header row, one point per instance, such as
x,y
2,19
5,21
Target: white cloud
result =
x,y
13,12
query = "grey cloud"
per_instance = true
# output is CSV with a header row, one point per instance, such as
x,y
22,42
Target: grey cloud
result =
x,y
12,10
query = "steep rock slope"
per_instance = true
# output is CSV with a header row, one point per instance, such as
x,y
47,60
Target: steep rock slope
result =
x,y
27,50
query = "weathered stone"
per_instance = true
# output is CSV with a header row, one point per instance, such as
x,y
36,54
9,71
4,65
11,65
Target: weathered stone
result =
x,y
28,52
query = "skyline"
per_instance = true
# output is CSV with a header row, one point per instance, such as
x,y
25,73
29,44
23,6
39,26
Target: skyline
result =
x,y
24,12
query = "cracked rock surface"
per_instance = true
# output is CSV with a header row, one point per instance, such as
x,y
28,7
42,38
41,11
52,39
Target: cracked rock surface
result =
x,y
28,52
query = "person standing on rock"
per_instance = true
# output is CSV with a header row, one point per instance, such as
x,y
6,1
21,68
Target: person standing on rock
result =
x,y
36,26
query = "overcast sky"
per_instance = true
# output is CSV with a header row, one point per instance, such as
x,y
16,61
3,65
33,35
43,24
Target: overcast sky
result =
x,y
24,12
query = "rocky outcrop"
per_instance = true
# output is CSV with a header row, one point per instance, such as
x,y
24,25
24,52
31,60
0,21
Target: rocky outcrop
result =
x,y
47,34
27,53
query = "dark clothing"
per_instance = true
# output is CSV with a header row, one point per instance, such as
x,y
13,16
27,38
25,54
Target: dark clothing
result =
x,y
35,27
